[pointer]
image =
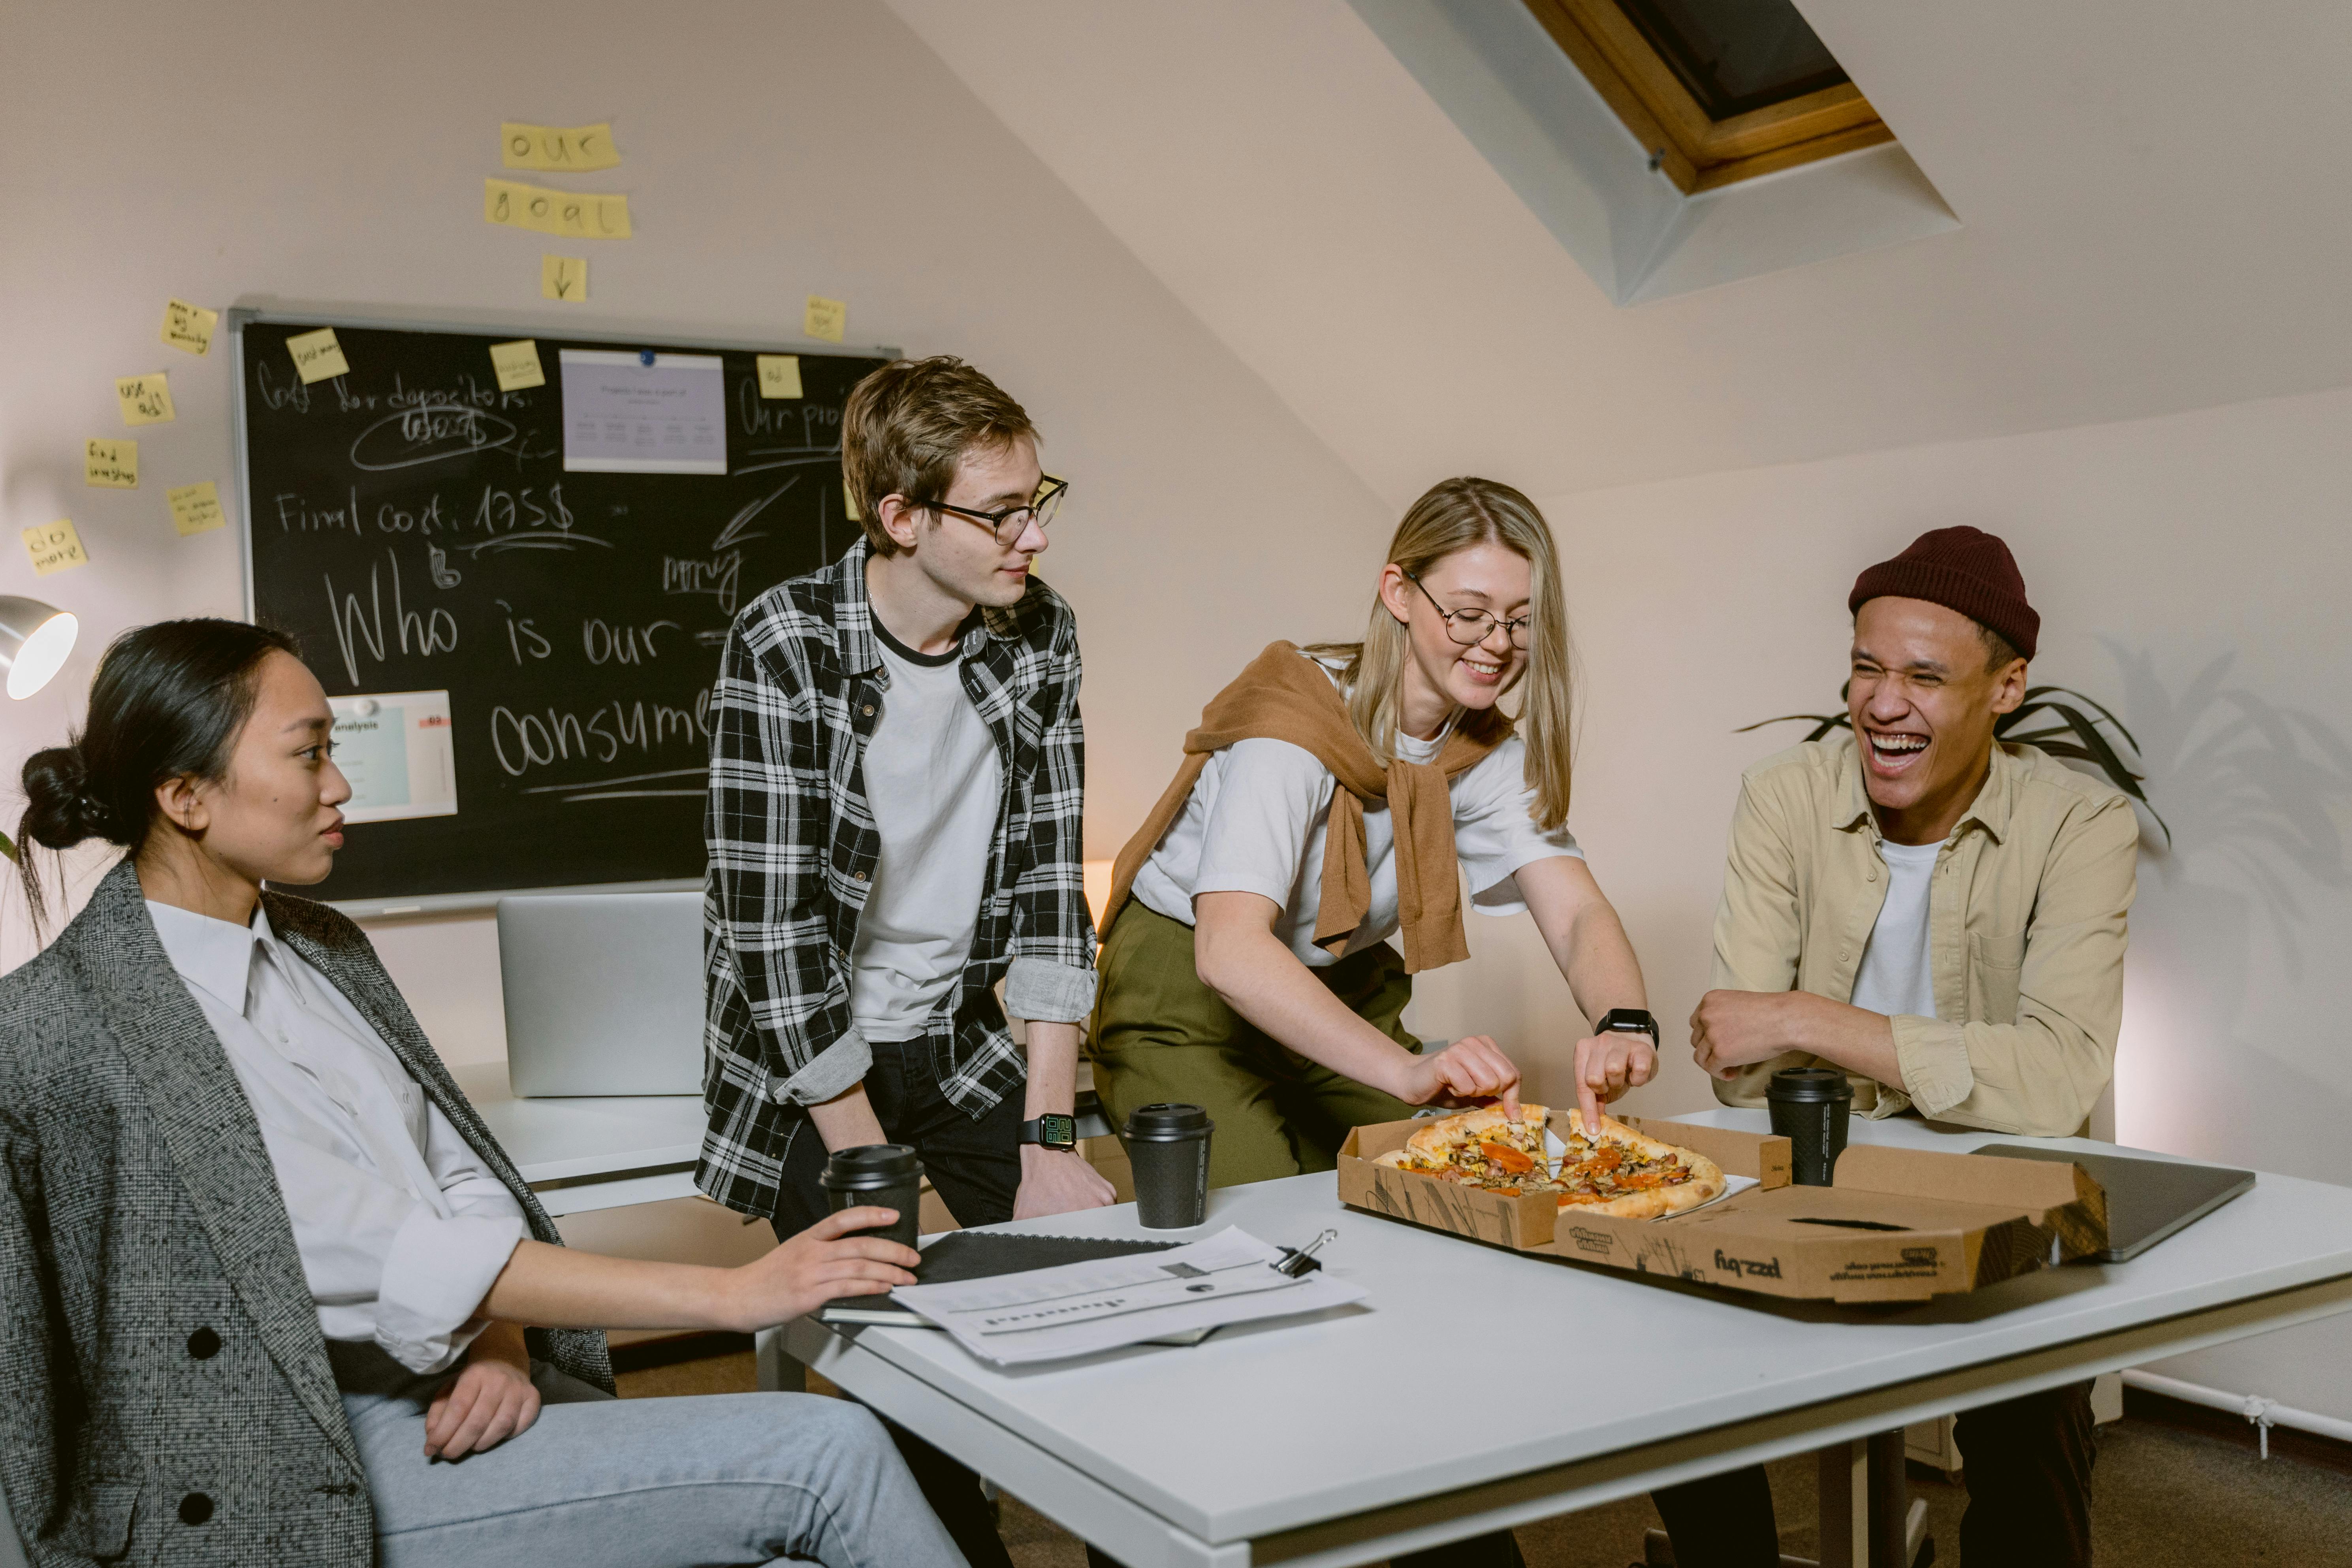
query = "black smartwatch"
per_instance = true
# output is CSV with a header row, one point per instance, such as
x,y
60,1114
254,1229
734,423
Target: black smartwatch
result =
x,y
1055,1132
1629,1021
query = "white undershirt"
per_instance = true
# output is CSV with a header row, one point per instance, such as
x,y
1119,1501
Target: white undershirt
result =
x,y
401,1226
933,781
1896,977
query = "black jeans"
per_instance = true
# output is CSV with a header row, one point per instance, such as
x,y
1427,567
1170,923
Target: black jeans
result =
x,y
2028,1466
975,1167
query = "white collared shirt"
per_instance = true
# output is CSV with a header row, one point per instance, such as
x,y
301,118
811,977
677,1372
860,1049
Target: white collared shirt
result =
x,y
400,1226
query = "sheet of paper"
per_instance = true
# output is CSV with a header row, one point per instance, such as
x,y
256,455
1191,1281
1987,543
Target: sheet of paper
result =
x,y
825,320
522,146
779,376
189,327
113,463
195,508
396,749
570,215
145,399
54,547
624,415
517,365
317,355
563,277
1050,1314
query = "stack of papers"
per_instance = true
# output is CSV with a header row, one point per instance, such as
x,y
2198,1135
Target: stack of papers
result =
x,y
1048,1314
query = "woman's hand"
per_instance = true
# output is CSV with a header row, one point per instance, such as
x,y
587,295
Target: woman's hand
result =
x,y
1471,1071
489,1401
1609,1063
823,1263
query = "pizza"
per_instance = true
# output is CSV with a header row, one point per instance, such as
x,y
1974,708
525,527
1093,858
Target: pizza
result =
x,y
1620,1172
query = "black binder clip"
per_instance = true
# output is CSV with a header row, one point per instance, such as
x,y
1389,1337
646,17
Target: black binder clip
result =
x,y
1298,1261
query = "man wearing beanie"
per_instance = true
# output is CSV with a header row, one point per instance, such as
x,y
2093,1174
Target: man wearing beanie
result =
x,y
1942,917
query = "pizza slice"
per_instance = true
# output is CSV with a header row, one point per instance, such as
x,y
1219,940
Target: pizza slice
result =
x,y
1615,1169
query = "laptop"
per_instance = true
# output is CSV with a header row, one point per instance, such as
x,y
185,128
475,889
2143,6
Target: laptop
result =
x,y
603,993
2147,1200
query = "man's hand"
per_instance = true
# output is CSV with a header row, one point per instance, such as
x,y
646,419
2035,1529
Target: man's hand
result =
x,y
1733,1030
823,1263
1053,1182
1608,1065
1471,1071
489,1401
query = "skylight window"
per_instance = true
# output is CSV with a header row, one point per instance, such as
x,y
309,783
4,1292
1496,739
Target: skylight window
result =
x,y
1718,90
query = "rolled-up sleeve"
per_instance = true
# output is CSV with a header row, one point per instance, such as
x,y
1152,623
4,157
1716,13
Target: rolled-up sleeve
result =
x,y
435,1273
1050,979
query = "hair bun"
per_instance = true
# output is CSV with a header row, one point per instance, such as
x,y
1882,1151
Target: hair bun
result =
x,y
59,810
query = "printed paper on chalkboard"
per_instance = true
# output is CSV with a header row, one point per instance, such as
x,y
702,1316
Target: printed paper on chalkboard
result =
x,y
396,750
622,416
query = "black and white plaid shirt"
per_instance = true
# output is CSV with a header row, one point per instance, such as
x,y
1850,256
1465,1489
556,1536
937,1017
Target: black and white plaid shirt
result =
x,y
793,851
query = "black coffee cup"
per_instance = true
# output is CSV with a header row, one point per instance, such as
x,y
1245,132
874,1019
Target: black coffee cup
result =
x,y
1168,1144
1809,1107
887,1175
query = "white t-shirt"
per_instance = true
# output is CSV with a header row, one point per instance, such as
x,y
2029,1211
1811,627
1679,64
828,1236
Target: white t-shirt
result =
x,y
1896,977
933,778
1255,823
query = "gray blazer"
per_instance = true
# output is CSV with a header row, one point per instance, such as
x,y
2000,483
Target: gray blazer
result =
x,y
164,1391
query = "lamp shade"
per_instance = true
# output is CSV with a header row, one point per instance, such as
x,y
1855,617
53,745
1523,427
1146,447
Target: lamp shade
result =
x,y
34,639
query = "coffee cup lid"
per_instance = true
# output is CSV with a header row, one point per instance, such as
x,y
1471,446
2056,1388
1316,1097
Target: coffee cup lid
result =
x,y
1166,1119
872,1165
1809,1084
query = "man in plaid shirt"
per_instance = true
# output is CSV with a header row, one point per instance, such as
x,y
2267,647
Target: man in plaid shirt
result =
x,y
897,776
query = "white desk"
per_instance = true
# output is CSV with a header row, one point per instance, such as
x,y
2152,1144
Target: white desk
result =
x,y
1289,1443
591,1154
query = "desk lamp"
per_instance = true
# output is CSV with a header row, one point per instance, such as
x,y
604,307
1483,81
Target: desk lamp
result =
x,y
34,639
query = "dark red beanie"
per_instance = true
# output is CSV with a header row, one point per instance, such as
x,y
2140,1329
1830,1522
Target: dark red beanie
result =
x,y
1963,569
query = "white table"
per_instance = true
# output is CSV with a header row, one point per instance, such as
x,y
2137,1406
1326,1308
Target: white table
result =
x,y
592,1152
1289,1443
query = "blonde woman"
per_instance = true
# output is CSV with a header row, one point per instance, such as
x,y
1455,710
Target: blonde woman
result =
x,y
1325,805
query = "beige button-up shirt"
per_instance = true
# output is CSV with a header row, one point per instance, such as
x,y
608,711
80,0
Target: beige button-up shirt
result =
x,y
2026,932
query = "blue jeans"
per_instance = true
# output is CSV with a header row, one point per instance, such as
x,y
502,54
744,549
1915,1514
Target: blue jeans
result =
x,y
598,1482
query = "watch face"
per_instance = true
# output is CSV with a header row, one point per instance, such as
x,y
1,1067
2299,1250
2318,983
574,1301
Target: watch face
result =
x,y
1057,1132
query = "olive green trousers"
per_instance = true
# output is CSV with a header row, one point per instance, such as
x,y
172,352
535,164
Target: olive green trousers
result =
x,y
1158,1034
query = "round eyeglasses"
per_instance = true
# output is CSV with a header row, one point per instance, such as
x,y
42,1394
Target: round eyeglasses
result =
x,y
1014,522
1469,628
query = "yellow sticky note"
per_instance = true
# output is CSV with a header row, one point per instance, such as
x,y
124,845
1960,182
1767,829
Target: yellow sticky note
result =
x,y
54,547
524,146
517,364
567,214
826,318
145,399
195,508
189,327
113,464
779,376
317,355
849,501
563,277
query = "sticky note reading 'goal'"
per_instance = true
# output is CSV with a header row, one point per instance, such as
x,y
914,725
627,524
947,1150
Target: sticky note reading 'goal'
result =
x,y
567,214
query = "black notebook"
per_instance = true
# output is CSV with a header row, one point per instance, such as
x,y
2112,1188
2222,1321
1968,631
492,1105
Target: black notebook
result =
x,y
963,1254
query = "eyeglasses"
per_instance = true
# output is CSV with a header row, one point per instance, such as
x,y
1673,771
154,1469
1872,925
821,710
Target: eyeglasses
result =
x,y
1479,624
1014,522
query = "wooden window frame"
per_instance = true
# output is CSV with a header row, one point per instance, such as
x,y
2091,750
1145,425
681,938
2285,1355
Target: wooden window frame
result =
x,y
1696,153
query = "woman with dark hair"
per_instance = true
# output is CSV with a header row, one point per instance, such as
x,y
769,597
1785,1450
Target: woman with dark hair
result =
x,y
264,1274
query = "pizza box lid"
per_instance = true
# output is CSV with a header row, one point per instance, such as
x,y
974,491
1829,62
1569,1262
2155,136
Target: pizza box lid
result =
x,y
1898,1225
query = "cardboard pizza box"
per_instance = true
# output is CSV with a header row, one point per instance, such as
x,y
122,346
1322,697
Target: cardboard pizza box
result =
x,y
1899,1224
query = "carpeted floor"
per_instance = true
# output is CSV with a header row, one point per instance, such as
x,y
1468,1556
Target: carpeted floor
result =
x,y
2166,1497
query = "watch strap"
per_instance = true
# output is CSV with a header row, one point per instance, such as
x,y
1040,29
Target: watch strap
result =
x,y
1629,1021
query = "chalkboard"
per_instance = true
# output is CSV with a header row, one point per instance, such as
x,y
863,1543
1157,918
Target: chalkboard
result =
x,y
416,528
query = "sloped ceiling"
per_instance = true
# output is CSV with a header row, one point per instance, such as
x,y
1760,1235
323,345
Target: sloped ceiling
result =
x,y
2153,218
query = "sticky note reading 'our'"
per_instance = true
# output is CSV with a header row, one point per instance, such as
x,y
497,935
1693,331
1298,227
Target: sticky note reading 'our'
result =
x,y
317,355
779,376
189,327
517,364
145,399
54,547
567,215
557,146
113,464
826,318
195,508
563,277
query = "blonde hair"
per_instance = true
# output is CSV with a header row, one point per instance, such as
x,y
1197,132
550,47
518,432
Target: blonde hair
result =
x,y
1454,515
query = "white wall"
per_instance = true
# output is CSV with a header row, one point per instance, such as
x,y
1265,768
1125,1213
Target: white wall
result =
x,y
2189,572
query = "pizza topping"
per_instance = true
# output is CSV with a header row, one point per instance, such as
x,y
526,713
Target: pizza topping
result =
x,y
1510,1160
